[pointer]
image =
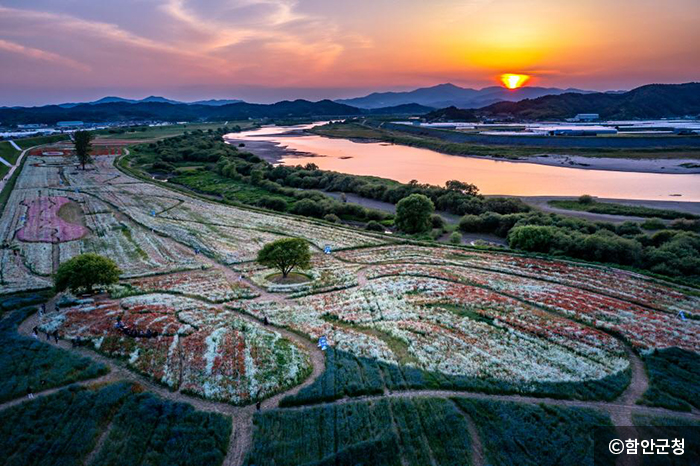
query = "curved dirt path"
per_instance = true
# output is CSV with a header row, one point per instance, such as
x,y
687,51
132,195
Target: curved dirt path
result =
x,y
611,407
103,379
477,447
620,410
242,416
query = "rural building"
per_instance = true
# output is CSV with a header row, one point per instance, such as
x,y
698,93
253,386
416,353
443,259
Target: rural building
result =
x,y
69,124
586,117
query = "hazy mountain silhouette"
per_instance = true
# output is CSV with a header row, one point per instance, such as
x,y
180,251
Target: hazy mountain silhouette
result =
x,y
650,101
448,95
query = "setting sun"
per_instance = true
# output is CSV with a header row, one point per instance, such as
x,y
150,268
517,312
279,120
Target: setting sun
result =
x,y
514,81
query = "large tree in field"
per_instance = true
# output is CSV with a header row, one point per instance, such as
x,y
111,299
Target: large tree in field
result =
x,y
83,147
84,272
285,255
413,214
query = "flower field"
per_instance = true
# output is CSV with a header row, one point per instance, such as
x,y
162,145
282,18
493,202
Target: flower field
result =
x,y
645,328
210,285
186,345
144,228
617,283
396,315
43,223
453,329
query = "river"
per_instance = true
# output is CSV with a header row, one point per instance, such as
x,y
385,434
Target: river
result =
x,y
493,177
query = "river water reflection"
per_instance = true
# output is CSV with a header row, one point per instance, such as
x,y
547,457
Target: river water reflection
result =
x,y
403,164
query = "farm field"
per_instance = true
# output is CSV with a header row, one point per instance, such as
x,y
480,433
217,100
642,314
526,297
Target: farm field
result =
x,y
429,347
155,132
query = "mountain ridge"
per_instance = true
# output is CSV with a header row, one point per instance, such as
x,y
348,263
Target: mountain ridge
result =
x,y
450,95
152,98
648,101
163,111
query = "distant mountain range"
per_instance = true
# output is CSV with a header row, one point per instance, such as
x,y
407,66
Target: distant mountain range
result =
x,y
110,110
151,99
650,101
449,95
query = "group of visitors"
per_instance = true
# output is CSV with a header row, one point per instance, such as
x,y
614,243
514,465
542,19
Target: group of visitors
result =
x,y
134,332
49,335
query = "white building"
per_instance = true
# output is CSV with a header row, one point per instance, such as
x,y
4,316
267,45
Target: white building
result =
x,y
586,117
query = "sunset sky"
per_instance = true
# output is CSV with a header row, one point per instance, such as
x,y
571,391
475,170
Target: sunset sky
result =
x,y
54,51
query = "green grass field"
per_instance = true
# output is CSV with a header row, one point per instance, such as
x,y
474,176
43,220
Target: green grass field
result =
x,y
38,140
9,186
521,434
386,432
157,132
138,428
619,209
8,152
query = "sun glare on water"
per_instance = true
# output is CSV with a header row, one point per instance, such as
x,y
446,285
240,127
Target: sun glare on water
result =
x,y
514,81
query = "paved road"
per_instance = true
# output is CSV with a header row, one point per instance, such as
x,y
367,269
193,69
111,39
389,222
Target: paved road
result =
x,y
14,167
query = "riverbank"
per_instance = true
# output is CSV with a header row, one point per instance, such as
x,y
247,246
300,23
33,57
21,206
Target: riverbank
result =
x,y
665,162
528,175
274,153
542,203
667,166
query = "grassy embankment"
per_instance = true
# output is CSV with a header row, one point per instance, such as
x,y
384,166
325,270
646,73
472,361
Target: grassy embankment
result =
x,y
354,130
619,209
8,153
157,132
26,143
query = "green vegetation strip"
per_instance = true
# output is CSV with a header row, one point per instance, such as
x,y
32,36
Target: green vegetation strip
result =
x,y
534,435
610,208
388,432
8,152
27,363
674,376
26,143
140,429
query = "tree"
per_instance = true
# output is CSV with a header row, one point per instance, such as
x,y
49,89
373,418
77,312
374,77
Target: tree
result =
x,y
464,188
455,238
413,214
585,199
286,254
83,272
373,225
83,147
531,238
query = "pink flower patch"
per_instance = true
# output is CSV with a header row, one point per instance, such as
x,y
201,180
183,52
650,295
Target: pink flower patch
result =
x,y
45,226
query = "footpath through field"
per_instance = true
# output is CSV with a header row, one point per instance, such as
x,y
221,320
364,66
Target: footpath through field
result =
x,y
619,410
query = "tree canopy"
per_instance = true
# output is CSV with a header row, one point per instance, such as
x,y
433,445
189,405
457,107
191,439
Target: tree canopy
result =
x,y
285,255
84,272
413,214
83,147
